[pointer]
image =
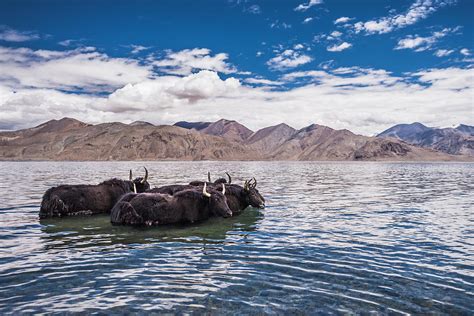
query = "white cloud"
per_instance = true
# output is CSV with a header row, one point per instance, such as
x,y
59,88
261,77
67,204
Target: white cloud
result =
x,y
79,69
336,34
465,52
288,59
261,81
303,7
253,9
340,47
298,46
418,10
307,20
419,43
443,52
186,61
280,25
10,35
341,20
138,48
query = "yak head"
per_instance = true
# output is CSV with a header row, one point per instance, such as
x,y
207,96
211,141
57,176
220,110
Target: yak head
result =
x,y
253,197
217,201
140,184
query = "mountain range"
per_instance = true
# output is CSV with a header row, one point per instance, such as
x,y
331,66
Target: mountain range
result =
x,y
70,139
459,140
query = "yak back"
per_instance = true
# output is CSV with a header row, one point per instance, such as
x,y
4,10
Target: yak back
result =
x,y
65,200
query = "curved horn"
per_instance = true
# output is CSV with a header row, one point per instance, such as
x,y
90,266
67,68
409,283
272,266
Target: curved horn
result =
x,y
223,188
134,188
246,185
204,191
254,183
131,177
208,176
146,175
228,176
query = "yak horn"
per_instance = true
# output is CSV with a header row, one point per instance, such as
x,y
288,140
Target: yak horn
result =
x,y
204,191
254,183
246,185
134,188
230,179
208,176
131,177
146,175
223,188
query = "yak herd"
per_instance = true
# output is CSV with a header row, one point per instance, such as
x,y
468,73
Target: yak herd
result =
x,y
132,202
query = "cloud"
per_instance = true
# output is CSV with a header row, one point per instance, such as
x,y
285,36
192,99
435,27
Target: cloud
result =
x,y
443,52
303,7
186,61
307,20
288,59
253,9
10,35
71,70
138,48
280,25
418,10
465,52
419,43
261,81
342,19
363,100
339,48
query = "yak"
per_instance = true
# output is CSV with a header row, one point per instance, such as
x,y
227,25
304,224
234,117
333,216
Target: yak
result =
x,y
238,197
68,200
186,206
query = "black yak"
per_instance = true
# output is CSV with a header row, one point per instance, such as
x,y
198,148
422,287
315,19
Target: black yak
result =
x,y
186,206
238,197
67,200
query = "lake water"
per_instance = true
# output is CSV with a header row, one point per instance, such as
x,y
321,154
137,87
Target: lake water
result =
x,y
334,238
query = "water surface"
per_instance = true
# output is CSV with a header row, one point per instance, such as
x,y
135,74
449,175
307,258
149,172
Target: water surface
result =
x,y
334,238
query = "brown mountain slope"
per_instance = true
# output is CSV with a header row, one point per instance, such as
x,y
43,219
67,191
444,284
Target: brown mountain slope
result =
x,y
69,139
317,142
270,138
117,141
230,130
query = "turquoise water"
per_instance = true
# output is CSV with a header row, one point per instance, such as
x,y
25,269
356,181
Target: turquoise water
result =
x,y
334,238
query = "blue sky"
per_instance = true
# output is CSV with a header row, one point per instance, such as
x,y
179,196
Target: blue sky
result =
x,y
337,63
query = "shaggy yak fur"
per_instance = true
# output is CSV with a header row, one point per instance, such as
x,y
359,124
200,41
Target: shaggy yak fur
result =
x,y
67,200
186,206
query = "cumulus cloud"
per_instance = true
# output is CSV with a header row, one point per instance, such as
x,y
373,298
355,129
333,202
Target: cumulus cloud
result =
x,y
288,59
339,48
305,6
307,20
465,52
10,35
186,61
342,20
418,10
420,43
138,48
71,70
280,25
261,81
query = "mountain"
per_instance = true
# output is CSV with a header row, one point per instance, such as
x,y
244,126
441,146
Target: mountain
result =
x,y
192,125
140,123
69,139
117,141
270,138
454,141
230,130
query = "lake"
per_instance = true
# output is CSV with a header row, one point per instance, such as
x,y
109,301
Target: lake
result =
x,y
334,238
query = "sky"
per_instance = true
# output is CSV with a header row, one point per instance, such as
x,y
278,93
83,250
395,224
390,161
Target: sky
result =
x,y
359,65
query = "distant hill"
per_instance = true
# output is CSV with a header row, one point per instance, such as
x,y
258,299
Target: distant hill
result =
x,y
192,125
230,130
459,140
70,139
